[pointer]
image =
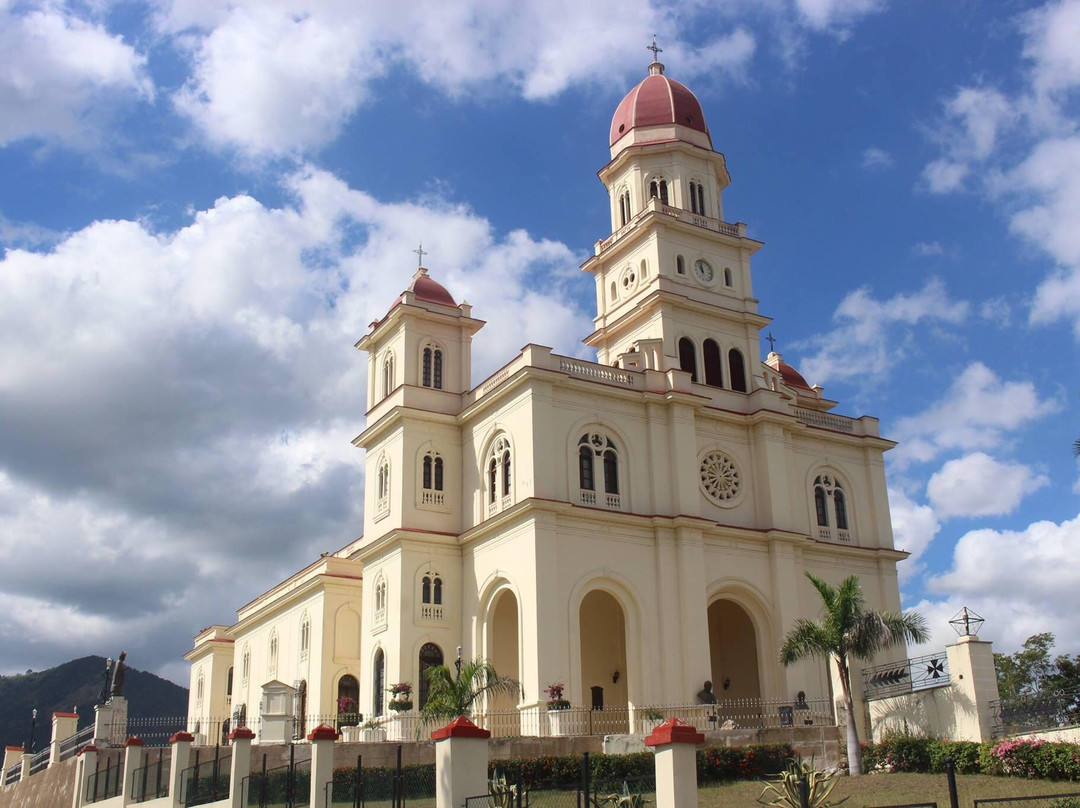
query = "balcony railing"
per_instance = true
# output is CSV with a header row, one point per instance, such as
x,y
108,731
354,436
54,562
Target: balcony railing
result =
x,y
906,676
834,535
593,499
600,373
837,423
431,611
433,498
737,230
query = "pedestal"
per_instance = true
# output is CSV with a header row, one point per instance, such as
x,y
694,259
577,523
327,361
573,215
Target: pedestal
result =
x,y
461,762
322,764
559,723
110,722
401,727
675,742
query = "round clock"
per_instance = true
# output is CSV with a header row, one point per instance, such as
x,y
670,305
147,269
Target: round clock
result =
x,y
703,270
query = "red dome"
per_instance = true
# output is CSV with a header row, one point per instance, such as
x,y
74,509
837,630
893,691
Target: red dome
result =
x,y
658,101
792,377
431,291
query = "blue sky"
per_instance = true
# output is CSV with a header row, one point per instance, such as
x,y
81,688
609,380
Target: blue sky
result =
x,y
203,205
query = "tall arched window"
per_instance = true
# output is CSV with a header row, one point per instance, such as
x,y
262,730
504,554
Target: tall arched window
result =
x,y
830,507
300,724
624,207
348,699
273,654
736,370
245,665
380,600
228,682
697,198
431,477
499,475
431,596
595,449
200,688
305,636
658,188
388,373
714,363
378,683
430,656
431,363
688,357
727,276
382,488
680,265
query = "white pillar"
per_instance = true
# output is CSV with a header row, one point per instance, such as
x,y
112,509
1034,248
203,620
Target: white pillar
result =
x,y
971,669
64,725
676,763
181,754
461,762
103,722
133,760
24,767
11,757
84,770
241,739
322,763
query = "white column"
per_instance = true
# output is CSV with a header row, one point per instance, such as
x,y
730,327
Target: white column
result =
x,y
971,669
11,757
181,754
64,725
103,722
25,765
676,763
322,763
461,762
241,739
84,770
133,760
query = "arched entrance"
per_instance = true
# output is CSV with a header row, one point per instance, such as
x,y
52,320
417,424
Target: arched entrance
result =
x,y
503,650
430,656
733,652
348,701
604,680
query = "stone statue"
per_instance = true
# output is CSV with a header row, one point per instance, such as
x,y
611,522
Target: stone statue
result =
x,y
118,675
705,695
107,676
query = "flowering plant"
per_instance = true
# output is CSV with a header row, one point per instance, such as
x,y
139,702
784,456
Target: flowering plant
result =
x,y
555,697
399,697
346,704
401,689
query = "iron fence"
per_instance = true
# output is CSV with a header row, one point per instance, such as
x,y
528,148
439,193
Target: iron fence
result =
x,y
287,786
151,780
71,745
906,676
106,782
1034,799
40,761
1042,711
208,779
13,774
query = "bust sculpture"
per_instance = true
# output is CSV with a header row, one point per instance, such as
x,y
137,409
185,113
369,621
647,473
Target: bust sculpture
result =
x,y
705,695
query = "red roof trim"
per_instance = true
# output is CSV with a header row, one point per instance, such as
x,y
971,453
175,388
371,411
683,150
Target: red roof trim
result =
x,y
65,715
88,748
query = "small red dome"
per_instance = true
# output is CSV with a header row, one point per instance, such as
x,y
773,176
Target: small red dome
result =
x,y
431,291
658,101
792,377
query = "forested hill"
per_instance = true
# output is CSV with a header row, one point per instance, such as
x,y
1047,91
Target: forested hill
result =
x,y
78,684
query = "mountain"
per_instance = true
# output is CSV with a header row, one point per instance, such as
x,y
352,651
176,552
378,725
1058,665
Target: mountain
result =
x,y
77,685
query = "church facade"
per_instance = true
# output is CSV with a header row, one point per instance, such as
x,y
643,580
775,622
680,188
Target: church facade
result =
x,y
629,527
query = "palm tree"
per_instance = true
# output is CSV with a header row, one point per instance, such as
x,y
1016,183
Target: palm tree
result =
x,y
1076,447
449,696
848,631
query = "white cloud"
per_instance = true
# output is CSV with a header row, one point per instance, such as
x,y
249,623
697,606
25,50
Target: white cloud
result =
x,y
943,176
914,528
996,310
874,159
61,74
880,328
975,413
174,402
821,14
978,485
1022,582
930,249
969,132
1051,36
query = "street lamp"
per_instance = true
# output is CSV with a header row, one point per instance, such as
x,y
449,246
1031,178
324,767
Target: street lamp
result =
x,y
457,662
33,729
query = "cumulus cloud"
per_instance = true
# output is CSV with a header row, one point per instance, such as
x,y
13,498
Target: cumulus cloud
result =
x,y
1022,582
822,14
875,159
61,74
914,528
978,485
881,328
176,408
971,124
976,412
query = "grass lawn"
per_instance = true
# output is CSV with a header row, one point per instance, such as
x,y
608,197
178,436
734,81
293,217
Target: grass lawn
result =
x,y
903,789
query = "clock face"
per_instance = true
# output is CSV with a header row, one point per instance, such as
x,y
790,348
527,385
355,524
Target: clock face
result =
x,y
703,270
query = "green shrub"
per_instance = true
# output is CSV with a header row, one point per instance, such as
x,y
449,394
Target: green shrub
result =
x,y
742,762
965,756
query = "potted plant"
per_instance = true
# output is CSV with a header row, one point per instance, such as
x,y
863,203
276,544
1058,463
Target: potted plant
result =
x,y
558,707
346,712
400,697
648,719
372,732
397,728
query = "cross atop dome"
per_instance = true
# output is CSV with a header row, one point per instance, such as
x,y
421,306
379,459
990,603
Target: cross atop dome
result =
x,y
420,253
656,68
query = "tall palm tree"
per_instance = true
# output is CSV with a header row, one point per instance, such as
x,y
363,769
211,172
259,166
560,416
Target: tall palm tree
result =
x,y
449,696
848,631
1076,447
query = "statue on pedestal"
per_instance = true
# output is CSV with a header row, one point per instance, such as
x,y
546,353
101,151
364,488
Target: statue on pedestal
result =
x,y
118,676
107,675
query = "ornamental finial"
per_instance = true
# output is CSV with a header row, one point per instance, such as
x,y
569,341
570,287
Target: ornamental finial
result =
x,y
420,253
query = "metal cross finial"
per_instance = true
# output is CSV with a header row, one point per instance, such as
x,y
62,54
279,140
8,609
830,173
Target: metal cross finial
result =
x,y
420,253
654,48
771,340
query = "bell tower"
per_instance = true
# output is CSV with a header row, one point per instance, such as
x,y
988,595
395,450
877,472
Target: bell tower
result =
x,y
673,275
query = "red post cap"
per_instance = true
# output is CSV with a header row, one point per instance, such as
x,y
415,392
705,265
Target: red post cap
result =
x,y
134,740
88,748
65,715
13,748
674,731
323,732
460,727
241,733
182,736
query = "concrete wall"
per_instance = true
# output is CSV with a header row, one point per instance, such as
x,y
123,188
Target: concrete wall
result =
x,y
52,788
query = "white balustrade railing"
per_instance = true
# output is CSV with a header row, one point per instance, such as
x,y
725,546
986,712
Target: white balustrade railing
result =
x,y
431,611
837,423
432,498
600,373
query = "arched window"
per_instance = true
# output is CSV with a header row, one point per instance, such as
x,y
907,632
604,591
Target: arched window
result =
x,y
644,268
680,265
431,596
273,652
727,276
697,198
688,357
431,366
388,373
624,207
382,488
596,449
714,363
430,656
245,665
228,682
830,501
658,188
200,688
380,600
348,699
431,478
241,716
499,464
614,292
378,683
736,370
305,636
300,724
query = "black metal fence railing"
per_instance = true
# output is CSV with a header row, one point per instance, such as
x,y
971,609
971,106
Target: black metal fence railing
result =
x,y
151,780
208,779
906,676
1042,711
106,782
40,761
71,745
13,774
1035,800
287,786
156,731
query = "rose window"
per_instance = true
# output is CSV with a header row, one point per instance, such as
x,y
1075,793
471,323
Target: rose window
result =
x,y
720,478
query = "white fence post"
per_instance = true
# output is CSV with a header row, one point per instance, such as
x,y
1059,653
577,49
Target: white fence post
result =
x,y
676,763
322,763
133,758
11,757
64,725
461,762
241,739
85,768
181,754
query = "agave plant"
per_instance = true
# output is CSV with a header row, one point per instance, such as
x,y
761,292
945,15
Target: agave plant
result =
x,y
623,799
783,792
500,793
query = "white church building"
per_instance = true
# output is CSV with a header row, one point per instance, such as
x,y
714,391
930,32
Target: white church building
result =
x,y
630,527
